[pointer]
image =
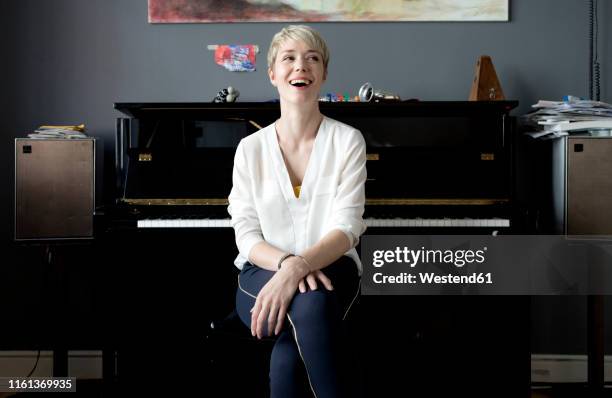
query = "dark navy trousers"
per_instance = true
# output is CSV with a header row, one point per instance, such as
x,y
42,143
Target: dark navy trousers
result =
x,y
309,346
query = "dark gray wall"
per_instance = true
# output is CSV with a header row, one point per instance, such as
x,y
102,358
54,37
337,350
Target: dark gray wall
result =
x,y
68,61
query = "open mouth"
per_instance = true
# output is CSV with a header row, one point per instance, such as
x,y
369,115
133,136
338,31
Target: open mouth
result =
x,y
300,82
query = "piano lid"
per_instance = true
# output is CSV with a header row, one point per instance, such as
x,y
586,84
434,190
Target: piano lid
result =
x,y
332,109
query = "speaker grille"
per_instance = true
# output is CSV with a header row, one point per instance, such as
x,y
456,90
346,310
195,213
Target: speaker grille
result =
x,y
54,188
589,186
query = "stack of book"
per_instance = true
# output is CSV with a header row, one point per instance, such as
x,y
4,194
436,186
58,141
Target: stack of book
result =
x,y
59,132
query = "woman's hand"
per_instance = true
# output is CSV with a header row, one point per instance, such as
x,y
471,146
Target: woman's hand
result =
x,y
274,298
311,279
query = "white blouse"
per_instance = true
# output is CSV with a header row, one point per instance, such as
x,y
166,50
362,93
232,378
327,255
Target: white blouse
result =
x,y
263,205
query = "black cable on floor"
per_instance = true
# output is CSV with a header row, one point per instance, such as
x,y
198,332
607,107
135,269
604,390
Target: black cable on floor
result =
x,y
35,364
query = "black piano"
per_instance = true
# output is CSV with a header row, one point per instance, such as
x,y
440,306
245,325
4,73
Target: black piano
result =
x,y
433,168
440,165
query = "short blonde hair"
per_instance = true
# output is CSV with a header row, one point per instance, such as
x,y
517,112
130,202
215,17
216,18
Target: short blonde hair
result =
x,y
302,33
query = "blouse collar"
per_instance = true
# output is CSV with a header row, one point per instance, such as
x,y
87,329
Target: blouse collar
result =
x,y
312,168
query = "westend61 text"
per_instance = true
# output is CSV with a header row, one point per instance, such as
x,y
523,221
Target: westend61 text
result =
x,y
431,278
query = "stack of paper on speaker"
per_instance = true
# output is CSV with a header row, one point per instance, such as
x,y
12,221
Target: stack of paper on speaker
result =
x,y
59,132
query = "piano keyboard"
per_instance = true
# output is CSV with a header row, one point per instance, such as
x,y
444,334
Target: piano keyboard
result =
x,y
438,222
370,222
185,223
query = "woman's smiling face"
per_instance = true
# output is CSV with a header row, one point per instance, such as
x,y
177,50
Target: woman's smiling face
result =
x,y
298,72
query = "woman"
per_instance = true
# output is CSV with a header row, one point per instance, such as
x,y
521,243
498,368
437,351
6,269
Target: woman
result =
x,y
297,204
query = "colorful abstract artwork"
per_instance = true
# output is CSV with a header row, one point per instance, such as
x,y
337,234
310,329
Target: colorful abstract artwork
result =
x,y
207,11
236,58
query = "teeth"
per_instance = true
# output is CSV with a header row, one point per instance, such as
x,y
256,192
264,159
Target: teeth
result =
x,y
301,82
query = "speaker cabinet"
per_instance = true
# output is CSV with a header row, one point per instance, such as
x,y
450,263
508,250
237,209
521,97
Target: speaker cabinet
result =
x,y
589,186
583,185
54,188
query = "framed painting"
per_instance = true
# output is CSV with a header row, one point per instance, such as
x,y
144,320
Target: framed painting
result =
x,y
216,11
